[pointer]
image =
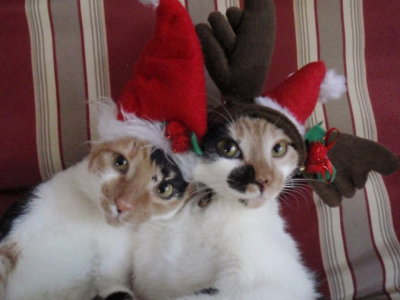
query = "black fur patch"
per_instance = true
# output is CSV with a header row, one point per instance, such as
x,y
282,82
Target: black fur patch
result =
x,y
207,196
119,296
168,166
211,139
17,209
240,177
210,291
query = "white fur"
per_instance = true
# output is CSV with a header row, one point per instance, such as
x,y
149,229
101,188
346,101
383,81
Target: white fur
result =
x,y
333,87
110,128
244,253
66,248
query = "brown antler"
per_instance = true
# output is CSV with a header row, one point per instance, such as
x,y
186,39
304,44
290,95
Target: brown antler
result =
x,y
237,49
354,158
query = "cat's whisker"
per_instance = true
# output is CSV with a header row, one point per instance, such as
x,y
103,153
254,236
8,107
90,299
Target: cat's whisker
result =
x,y
297,186
200,192
304,192
290,200
228,118
214,99
298,191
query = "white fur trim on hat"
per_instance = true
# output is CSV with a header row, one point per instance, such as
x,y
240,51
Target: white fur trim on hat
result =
x,y
332,88
109,128
268,102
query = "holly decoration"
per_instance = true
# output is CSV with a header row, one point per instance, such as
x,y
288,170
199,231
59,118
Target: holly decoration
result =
x,y
318,144
181,138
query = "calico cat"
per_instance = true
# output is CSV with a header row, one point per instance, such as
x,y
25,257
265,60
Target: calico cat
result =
x,y
72,238
234,246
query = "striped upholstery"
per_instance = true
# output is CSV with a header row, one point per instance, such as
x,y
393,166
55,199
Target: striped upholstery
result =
x,y
359,251
59,56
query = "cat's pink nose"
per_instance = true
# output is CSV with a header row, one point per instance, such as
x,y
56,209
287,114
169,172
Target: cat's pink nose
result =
x,y
123,205
263,183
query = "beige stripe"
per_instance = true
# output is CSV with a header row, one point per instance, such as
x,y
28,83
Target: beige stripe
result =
x,y
71,80
199,10
355,217
359,244
182,2
307,45
332,249
329,220
223,5
96,56
355,68
384,235
331,52
378,199
47,139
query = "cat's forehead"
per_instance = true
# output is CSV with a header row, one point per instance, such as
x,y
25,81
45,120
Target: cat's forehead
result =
x,y
250,129
166,165
130,147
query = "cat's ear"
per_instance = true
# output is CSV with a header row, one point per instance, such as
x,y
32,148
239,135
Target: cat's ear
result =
x,y
237,49
354,158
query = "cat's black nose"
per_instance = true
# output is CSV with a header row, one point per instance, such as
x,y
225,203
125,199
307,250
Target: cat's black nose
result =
x,y
240,177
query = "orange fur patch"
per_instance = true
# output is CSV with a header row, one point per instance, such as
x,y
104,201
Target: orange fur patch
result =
x,y
136,187
9,255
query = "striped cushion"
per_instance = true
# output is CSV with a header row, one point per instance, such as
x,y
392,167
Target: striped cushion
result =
x,y
355,248
60,54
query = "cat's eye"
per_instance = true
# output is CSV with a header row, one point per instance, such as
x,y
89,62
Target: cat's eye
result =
x,y
280,149
228,148
120,163
165,190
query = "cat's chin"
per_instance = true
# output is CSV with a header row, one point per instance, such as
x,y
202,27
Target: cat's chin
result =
x,y
116,218
253,202
256,200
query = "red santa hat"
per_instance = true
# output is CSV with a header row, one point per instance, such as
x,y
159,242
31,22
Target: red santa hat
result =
x,y
164,102
297,96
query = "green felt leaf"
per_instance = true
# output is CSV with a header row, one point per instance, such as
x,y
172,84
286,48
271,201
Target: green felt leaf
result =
x,y
315,133
195,144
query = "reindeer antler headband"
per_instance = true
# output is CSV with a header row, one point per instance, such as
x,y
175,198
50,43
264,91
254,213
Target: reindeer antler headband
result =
x,y
237,51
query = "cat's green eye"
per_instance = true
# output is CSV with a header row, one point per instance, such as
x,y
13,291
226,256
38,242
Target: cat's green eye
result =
x,y
165,190
120,163
228,148
280,149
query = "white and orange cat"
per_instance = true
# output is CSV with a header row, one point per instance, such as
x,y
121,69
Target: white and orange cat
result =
x,y
71,239
232,245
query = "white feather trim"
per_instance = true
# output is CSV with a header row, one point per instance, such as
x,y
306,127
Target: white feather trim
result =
x,y
110,128
268,102
155,3
332,87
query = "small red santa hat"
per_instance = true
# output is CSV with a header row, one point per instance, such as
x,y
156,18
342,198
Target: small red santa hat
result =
x,y
164,102
297,96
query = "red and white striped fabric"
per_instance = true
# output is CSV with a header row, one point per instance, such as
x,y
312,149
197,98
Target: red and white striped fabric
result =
x,y
355,248
56,55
